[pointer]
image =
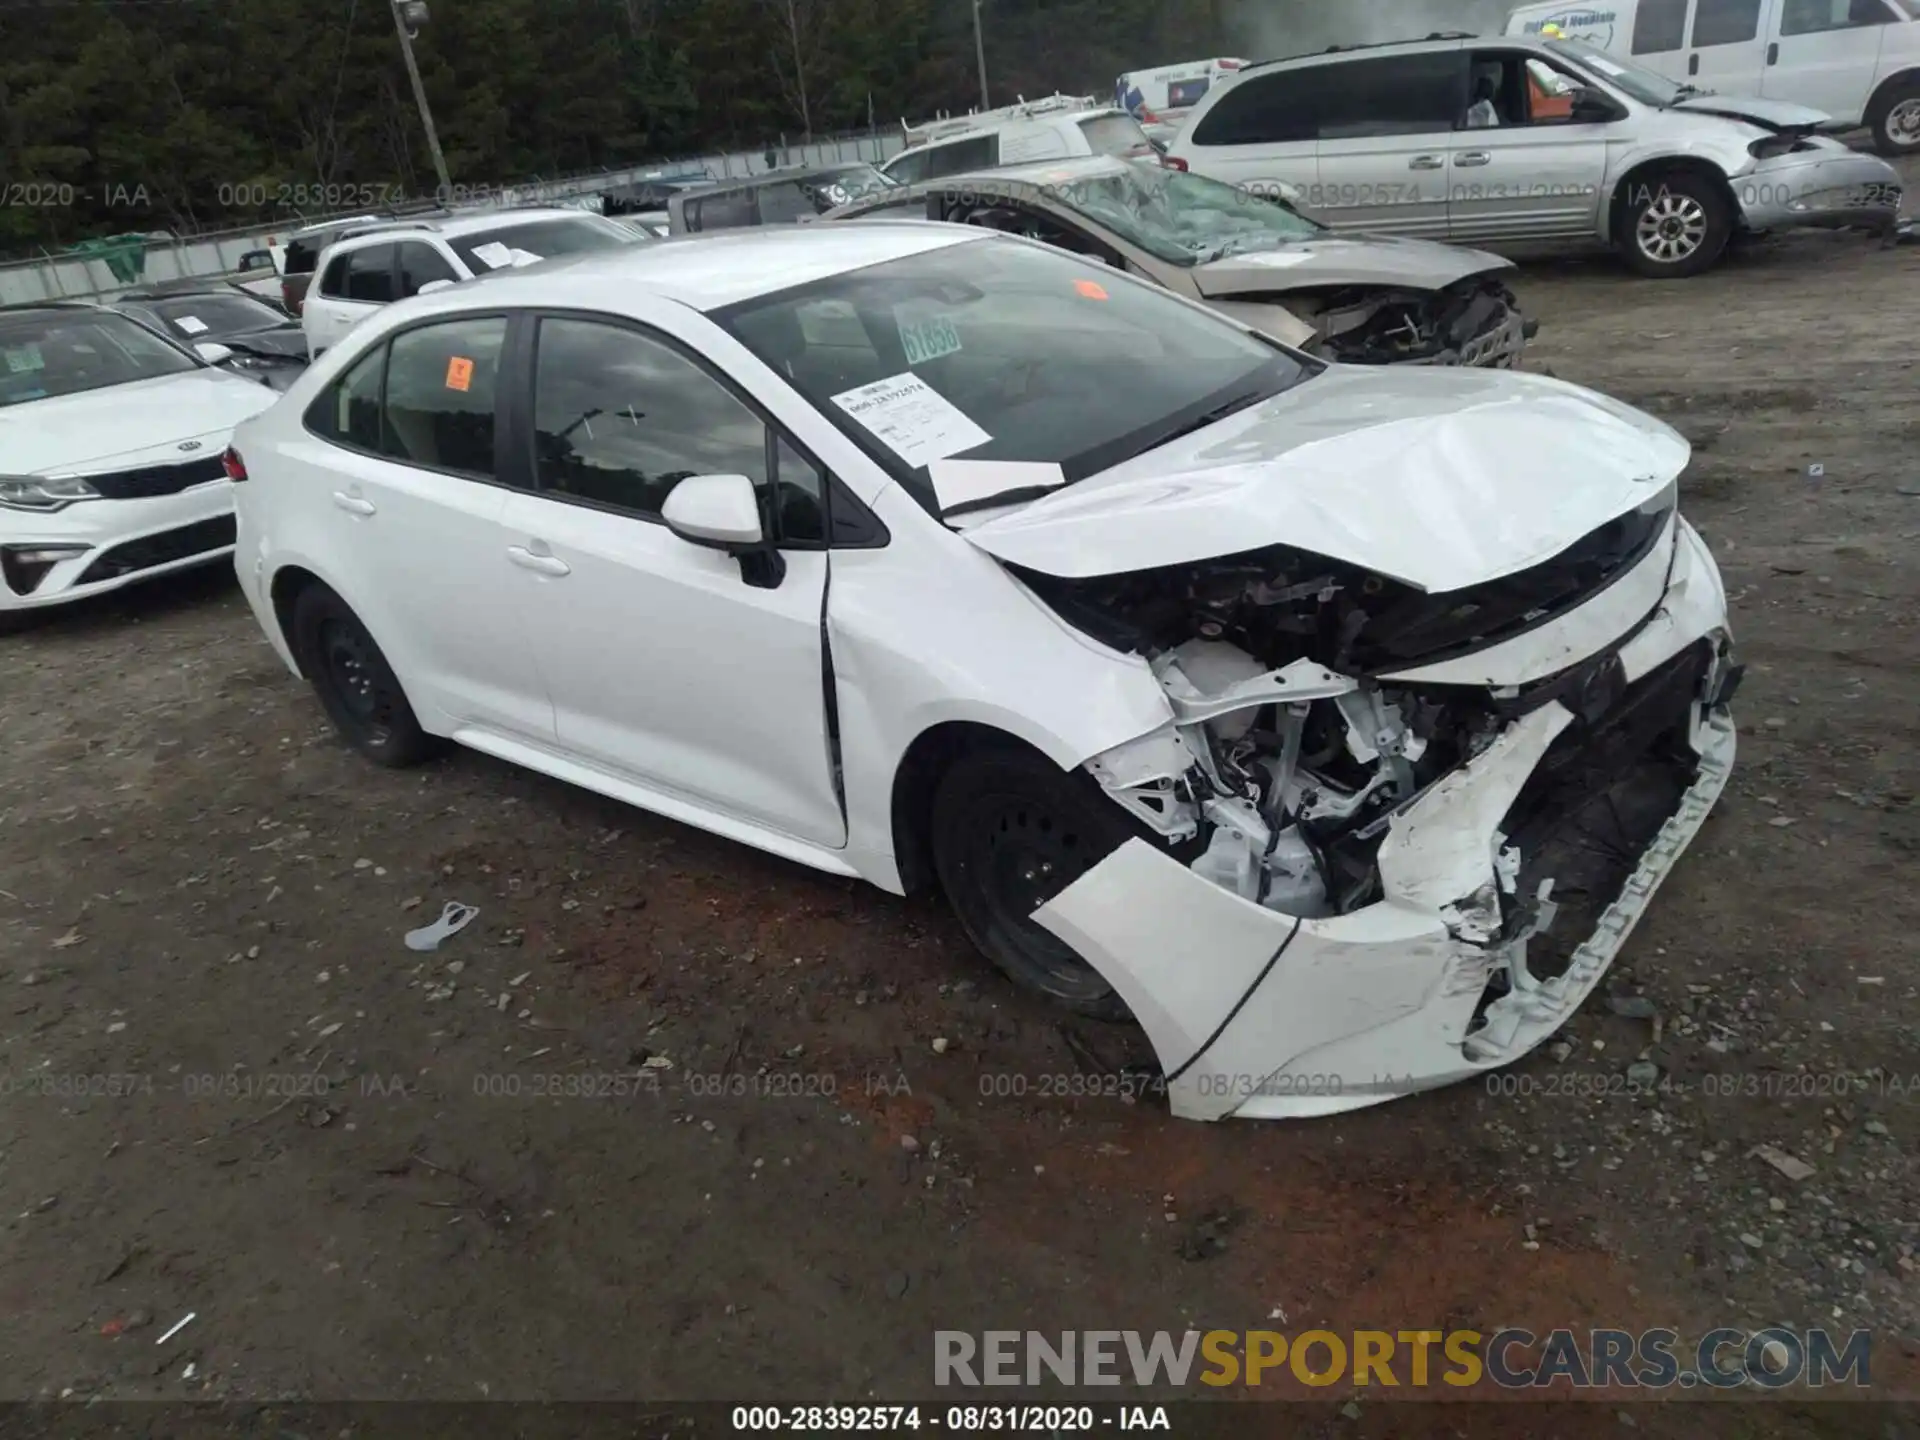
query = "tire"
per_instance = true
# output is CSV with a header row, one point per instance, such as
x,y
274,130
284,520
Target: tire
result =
x,y
1895,120
1673,224
1010,831
356,685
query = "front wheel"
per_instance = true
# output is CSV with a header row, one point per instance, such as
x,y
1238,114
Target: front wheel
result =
x,y
1011,830
1674,225
357,687
1895,121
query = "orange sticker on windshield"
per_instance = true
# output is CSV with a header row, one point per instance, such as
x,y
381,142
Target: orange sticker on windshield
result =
x,y
459,373
1091,289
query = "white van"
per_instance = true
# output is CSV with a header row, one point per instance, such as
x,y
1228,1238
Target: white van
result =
x,y
1057,128
1165,96
1857,60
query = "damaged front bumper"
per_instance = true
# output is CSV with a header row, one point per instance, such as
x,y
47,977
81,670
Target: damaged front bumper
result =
x,y
1260,1013
1830,187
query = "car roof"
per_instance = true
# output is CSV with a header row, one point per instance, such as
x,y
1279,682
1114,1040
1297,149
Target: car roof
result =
x,y
711,271
21,307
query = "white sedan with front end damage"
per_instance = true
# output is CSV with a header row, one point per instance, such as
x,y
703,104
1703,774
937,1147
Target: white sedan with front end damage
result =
x,y
110,454
1335,723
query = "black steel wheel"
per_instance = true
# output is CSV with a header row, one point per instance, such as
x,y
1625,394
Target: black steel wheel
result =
x,y
359,690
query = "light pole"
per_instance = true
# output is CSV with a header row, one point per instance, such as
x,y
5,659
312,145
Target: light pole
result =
x,y
980,53
407,18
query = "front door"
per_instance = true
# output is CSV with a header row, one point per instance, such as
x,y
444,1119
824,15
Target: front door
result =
x,y
351,288
1532,174
665,665
1386,136
1825,53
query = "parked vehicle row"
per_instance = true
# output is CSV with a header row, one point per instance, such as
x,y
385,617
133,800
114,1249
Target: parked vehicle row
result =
x,y
1528,144
1254,697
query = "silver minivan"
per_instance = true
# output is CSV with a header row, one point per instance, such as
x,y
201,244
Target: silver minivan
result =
x,y
1522,144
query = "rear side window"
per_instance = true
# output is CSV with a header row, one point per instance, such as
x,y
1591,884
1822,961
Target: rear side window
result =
x,y
441,381
980,153
1393,95
1659,26
370,275
1264,110
909,167
334,282
348,411
726,211
421,264
1725,22
1115,135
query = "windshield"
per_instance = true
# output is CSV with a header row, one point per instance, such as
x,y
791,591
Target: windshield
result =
x,y
1642,84
1183,218
210,317
543,239
44,353
1908,8
993,349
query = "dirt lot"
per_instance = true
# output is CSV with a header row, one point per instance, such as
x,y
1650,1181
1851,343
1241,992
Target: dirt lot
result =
x,y
201,890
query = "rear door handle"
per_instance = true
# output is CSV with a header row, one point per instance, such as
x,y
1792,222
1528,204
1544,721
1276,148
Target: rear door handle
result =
x,y
539,564
1473,157
352,504
1773,53
1426,162
1693,64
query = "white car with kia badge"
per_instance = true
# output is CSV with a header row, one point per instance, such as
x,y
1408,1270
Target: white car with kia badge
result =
x,y
111,438
1336,724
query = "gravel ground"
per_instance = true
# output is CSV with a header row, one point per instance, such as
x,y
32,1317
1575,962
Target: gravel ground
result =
x,y
673,1119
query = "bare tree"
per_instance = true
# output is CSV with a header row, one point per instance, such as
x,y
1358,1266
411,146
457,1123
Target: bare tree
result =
x,y
805,22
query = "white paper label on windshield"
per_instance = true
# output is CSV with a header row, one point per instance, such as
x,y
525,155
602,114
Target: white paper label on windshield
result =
x,y
523,257
917,422
929,339
192,324
1605,67
968,482
493,254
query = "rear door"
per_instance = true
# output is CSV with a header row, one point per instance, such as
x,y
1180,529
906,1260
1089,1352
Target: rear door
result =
x,y
352,287
1726,50
1386,143
1824,53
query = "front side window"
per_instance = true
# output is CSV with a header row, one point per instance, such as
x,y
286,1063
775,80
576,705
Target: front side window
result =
x,y
620,419
727,210
1659,26
1811,17
989,349
370,275
1115,135
44,353
784,203
347,412
909,167
420,265
441,384
1725,22
980,153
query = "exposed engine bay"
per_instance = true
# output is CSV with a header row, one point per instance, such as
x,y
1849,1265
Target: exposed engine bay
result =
x,y
1475,321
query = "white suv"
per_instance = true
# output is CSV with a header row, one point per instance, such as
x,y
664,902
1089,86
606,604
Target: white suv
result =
x,y
394,259
1058,128
1515,142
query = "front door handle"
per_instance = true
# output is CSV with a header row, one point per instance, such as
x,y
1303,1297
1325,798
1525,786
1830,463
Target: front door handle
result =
x,y
1693,64
1474,157
1773,53
540,564
352,504
1426,162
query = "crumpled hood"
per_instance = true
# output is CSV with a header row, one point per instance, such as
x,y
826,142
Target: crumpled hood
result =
x,y
1345,260
1767,114
139,424
1441,478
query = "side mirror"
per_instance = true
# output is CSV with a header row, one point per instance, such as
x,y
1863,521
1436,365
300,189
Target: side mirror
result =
x,y
212,352
433,285
721,512
1590,107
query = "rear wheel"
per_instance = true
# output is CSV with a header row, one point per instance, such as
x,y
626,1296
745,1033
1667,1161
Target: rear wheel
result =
x,y
355,684
1674,224
1895,120
1011,830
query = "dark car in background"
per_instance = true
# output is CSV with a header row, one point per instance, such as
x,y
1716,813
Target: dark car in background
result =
x,y
266,344
776,197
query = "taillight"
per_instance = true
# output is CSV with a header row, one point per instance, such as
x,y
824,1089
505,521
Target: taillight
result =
x,y
287,295
1173,162
236,467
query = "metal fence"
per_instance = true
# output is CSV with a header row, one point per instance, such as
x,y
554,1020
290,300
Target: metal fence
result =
x,y
56,277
